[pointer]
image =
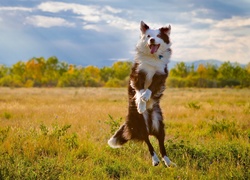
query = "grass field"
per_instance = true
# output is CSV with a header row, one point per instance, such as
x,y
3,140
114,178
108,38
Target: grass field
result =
x,y
62,134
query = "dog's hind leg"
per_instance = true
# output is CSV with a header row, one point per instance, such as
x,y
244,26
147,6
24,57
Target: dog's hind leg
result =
x,y
159,133
155,159
165,158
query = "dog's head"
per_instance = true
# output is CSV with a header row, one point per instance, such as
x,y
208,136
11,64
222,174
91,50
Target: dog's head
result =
x,y
154,41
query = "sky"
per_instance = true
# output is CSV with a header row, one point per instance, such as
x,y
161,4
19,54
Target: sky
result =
x,y
100,32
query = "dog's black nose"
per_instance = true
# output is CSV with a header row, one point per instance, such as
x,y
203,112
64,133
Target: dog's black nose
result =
x,y
152,40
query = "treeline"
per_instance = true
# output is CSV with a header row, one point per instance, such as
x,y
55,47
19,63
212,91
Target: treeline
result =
x,y
41,72
210,75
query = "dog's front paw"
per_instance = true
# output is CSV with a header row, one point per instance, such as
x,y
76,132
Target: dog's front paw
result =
x,y
146,95
141,107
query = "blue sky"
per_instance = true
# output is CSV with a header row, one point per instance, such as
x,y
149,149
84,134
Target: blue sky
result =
x,y
99,32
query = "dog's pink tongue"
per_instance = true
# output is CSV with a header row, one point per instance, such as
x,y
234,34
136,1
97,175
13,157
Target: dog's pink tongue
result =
x,y
153,49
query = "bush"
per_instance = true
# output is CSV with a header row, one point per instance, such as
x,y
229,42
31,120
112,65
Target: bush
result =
x,y
114,82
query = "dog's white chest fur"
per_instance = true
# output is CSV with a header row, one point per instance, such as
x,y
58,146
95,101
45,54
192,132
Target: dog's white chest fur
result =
x,y
151,66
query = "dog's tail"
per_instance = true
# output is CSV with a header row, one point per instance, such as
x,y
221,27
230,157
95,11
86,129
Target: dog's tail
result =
x,y
118,139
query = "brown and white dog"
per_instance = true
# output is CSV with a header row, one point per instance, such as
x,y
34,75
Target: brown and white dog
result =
x,y
147,83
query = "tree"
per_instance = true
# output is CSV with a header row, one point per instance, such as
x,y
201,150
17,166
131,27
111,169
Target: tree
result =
x,y
34,71
212,71
226,71
18,69
201,70
3,70
91,76
180,70
17,76
248,68
51,72
247,75
228,74
121,69
73,77
106,73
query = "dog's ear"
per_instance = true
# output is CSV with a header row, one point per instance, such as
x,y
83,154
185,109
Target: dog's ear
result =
x,y
144,27
166,30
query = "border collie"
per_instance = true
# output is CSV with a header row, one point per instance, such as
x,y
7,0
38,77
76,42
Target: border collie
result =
x,y
147,83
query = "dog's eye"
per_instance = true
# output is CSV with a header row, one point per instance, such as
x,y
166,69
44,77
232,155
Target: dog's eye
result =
x,y
148,36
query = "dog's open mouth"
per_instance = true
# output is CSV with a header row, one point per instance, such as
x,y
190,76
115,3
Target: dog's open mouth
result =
x,y
153,48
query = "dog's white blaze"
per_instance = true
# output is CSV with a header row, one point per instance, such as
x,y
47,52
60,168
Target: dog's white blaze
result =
x,y
113,143
155,159
153,34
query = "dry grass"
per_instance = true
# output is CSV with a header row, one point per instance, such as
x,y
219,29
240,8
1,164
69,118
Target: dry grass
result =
x,y
208,133
82,108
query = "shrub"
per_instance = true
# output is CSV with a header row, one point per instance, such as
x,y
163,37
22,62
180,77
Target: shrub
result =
x,y
114,124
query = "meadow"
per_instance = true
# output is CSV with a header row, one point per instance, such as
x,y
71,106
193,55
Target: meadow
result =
x,y
62,133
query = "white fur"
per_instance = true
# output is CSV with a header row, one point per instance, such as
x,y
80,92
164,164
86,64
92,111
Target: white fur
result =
x,y
141,105
113,143
155,121
155,160
153,34
167,162
146,95
151,64
145,117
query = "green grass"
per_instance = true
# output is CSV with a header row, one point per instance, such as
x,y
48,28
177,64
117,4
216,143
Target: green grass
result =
x,y
63,133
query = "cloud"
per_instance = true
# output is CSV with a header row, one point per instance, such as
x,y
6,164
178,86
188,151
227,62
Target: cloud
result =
x,y
200,29
119,22
55,7
91,18
112,10
234,22
9,8
221,39
99,15
47,22
92,27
